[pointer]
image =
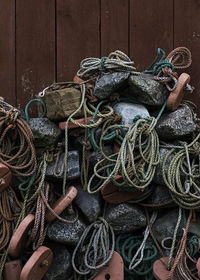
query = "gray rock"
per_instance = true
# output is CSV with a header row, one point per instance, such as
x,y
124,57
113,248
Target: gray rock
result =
x,y
66,233
125,217
46,133
73,167
128,111
110,83
96,156
148,91
89,204
177,124
158,176
160,195
61,267
165,225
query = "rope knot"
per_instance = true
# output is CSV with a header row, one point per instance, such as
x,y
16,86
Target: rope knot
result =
x,y
102,62
87,145
12,116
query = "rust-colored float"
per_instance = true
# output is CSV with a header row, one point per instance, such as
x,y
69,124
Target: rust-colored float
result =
x,y
61,204
160,270
12,270
111,193
114,271
37,265
177,95
19,239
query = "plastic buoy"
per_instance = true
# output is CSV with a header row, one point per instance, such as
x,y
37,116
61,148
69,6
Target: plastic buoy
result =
x,y
114,270
5,177
19,239
111,193
177,95
12,270
62,203
37,265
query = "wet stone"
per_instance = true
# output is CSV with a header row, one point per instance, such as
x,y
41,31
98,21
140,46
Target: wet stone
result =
x,y
61,267
125,218
46,133
148,91
158,176
128,111
165,226
177,124
110,83
89,204
160,195
65,233
73,167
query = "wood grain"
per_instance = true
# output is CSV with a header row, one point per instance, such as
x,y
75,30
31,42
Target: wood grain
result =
x,y
77,35
7,51
35,47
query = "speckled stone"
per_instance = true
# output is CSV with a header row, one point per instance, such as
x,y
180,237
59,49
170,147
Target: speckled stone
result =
x,y
148,91
177,124
125,218
160,195
89,204
110,83
46,133
96,156
128,111
68,234
61,267
73,167
165,225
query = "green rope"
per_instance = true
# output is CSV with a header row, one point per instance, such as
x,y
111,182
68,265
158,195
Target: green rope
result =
x,y
182,174
126,245
29,182
102,63
27,107
157,65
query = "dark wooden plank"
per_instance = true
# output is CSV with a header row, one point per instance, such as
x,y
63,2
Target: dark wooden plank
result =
x,y
77,35
187,33
151,26
114,26
7,50
35,47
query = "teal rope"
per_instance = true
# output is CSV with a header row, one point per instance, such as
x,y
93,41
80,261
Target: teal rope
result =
x,y
157,64
29,181
102,62
35,100
126,245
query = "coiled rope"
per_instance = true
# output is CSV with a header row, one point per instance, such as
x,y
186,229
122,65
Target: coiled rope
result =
x,y
95,247
17,150
116,61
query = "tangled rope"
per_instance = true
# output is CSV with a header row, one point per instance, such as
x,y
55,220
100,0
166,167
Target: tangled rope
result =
x,y
163,69
16,143
116,61
182,177
137,159
95,248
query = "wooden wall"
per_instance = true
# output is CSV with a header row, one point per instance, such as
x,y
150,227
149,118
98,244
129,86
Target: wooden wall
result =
x,y
42,41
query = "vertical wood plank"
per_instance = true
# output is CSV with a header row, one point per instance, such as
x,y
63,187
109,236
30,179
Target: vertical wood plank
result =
x,y
151,26
7,51
77,35
114,26
187,33
35,47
